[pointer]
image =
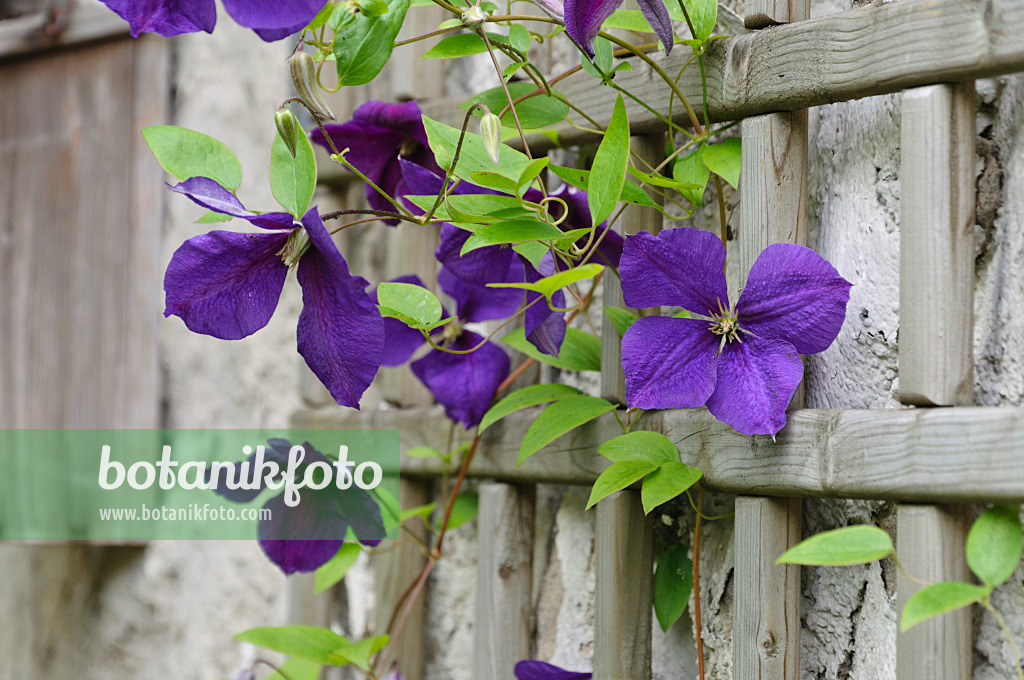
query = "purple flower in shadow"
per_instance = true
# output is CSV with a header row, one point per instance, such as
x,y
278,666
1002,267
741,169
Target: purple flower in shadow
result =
x,y
305,536
270,19
463,383
227,285
539,670
378,135
742,362
583,19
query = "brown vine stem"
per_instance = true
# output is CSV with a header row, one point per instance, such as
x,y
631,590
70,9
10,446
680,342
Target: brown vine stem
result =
x,y
699,632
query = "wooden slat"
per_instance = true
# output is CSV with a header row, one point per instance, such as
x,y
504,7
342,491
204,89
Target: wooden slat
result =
x,y
764,13
930,544
622,614
504,580
937,246
88,21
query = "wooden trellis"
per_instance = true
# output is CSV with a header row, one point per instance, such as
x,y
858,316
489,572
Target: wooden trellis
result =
x,y
942,452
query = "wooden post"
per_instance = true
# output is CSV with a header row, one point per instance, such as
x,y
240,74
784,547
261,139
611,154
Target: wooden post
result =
x,y
504,580
624,541
936,358
773,209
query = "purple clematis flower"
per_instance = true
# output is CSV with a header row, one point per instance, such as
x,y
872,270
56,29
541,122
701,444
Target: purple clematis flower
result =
x,y
539,670
463,383
583,19
227,285
744,363
322,517
378,135
270,19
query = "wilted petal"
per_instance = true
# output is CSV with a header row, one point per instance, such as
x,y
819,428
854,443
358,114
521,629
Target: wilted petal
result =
x,y
477,302
464,383
207,193
340,333
166,17
583,19
682,266
756,380
304,537
544,327
539,670
226,284
400,341
794,294
669,362
273,14
657,16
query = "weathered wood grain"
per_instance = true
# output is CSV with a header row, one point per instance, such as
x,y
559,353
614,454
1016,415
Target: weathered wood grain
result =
x,y
764,13
504,580
969,455
88,21
930,544
624,568
937,246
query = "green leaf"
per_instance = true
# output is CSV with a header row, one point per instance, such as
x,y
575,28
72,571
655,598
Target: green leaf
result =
x,y
603,58
212,217
407,300
549,285
372,8
631,193
558,419
422,511
627,20
358,653
512,231
608,172
724,160
617,477
520,38
465,510
651,447
620,318
335,569
186,153
363,44
293,180
667,482
493,180
938,599
703,14
536,112
533,170
839,547
673,582
524,398
462,45
297,669
994,544
580,351
473,158
424,452
690,169
534,251
304,642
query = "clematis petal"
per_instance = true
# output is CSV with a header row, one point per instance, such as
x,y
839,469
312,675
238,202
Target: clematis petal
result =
x,y
583,19
273,14
225,284
657,16
476,266
553,8
400,341
794,294
539,670
682,266
669,362
166,17
477,302
207,193
362,513
756,380
248,472
464,383
544,327
341,332
316,519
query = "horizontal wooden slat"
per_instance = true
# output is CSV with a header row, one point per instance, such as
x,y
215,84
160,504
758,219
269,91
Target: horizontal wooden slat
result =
x,y
86,22
959,454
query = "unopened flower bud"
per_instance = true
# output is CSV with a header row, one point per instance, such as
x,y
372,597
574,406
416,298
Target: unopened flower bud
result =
x,y
303,72
473,17
288,129
490,130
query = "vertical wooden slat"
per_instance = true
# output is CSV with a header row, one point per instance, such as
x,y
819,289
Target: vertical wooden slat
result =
x,y
773,209
936,358
624,542
504,580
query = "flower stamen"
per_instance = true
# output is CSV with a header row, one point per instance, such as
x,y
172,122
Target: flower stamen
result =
x,y
726,324
295,247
